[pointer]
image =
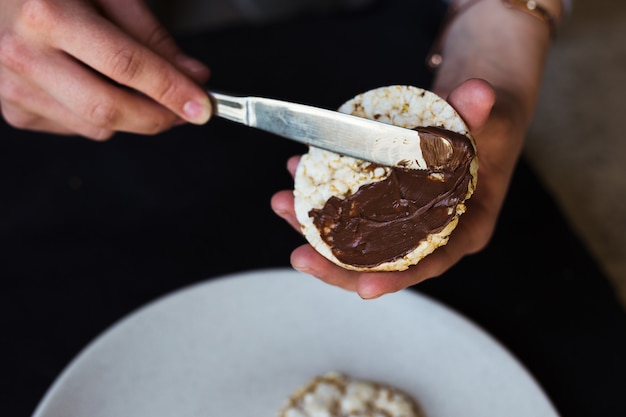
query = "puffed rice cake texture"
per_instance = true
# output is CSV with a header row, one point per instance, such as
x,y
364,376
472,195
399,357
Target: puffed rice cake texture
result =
x,y
322,174
335,394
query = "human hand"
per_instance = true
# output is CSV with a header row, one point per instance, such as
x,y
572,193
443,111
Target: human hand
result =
x,y
497,131
92,68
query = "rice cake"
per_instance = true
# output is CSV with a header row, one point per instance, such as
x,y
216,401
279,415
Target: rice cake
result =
x,y
338,395
367,217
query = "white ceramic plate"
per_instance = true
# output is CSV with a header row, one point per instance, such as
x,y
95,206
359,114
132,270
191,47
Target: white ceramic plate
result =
x,y
238,346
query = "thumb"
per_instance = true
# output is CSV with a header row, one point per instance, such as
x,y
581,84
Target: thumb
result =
x,y
473,100
136,19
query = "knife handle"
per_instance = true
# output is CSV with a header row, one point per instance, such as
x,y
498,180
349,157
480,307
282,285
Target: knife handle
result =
x,y
230,107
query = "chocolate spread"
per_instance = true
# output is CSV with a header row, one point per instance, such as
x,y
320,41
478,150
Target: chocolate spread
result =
x,y
385,220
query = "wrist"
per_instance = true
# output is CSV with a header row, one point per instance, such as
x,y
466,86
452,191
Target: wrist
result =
x,y
557,8
503,46
549,12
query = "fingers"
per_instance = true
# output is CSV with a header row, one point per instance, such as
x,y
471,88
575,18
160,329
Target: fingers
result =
x,y
473,100
27,106
136,19
49,84
372,285
46,50
308,260
283,201
23,105
367,285
292,164
282,204
16,117
98,43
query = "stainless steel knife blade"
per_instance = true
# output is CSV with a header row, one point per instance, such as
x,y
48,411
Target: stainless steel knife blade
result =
x,y
341,133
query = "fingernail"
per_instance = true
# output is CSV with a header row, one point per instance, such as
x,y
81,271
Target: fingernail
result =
x,y
369,296
196,112
367,292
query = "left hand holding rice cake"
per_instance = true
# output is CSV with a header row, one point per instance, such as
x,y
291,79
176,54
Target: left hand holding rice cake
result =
x,y
367,217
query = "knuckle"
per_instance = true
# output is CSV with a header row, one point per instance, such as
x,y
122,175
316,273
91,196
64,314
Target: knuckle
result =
x,y
12,54
102,113
17,118
168,90
38,14
159,36
125,65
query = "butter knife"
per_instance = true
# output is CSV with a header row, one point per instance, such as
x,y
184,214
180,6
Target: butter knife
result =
x,y
334,131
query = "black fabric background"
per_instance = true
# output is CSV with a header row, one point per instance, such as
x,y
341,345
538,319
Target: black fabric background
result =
x,y
91,231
